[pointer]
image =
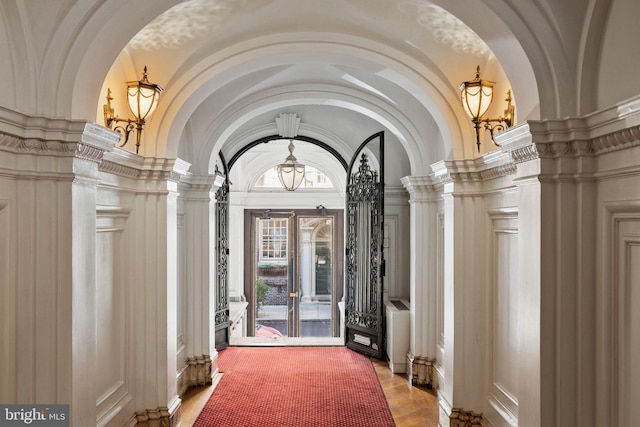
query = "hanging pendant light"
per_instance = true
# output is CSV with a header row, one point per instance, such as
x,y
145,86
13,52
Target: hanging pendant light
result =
x,y
291,173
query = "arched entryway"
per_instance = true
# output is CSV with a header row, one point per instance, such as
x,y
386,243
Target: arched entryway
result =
x,y
294,258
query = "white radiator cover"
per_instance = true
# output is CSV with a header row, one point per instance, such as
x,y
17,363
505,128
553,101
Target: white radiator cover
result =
x,y
397,323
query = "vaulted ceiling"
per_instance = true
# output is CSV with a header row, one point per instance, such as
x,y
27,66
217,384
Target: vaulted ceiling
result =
x,y
347,68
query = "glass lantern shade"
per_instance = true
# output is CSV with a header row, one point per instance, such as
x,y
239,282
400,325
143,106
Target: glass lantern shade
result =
x,y
142,97
477,96
291,173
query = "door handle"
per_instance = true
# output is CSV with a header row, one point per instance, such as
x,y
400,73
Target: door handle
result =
x,y
293,295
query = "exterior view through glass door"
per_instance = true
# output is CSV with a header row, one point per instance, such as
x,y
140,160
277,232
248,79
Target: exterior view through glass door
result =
x,y
295,273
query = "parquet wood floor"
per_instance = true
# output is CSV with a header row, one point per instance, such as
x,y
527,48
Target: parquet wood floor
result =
x,y
410,406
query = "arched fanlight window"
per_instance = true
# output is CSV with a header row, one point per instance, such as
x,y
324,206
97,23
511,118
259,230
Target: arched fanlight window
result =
x,y
313,178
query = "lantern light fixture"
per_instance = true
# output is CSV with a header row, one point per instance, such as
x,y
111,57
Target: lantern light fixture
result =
x,y
291,172
142,97
477,96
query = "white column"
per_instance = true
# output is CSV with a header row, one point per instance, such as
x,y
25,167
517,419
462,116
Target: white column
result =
x,y
557,223
197,195
465,290
48,303
153,238
425,300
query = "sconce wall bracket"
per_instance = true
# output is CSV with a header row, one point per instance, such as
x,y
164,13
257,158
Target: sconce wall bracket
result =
x,y
143,99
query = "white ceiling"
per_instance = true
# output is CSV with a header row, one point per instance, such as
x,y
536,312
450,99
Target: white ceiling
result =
x,y
348,68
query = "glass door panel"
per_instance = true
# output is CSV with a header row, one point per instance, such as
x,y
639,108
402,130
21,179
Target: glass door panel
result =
x,y
315,278
272,276
296,273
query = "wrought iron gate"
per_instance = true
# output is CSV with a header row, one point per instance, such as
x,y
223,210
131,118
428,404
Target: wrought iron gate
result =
x,y
364,252
222,258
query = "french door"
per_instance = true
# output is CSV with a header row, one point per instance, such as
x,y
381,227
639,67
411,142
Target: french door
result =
x,y
293,272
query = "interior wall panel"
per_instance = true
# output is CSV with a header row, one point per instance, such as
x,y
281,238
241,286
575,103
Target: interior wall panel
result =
x,y
626,307
440,288
633,282
7,310
182,293
112,320
504,374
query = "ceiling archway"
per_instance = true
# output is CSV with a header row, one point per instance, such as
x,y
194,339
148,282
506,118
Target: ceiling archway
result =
x,y
417,74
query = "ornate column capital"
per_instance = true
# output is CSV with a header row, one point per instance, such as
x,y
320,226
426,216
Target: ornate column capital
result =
x,y
418,186
29,138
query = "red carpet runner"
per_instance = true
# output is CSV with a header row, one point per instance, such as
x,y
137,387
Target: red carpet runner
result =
x,y
295,387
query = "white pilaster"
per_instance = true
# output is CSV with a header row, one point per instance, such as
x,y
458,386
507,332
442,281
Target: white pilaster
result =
x,y
198,201
425,280
48,304
465,285
557,225
152,234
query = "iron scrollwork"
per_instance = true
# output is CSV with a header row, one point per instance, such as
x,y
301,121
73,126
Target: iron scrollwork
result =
x,y
222,243
363,261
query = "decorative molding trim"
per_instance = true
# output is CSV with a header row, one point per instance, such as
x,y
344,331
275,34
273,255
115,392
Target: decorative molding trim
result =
x,y
422,371
42,136
499,171
619,140
418,186
114,168
462,418
524,154
617,128
288,125
129,165
55,148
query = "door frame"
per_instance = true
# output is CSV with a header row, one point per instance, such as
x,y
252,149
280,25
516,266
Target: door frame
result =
x,y
338,267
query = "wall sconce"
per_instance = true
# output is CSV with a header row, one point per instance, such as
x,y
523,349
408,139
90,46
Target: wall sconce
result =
x,y
477,95
142,97
291,173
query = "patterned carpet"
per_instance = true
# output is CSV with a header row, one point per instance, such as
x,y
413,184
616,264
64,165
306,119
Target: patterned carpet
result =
x,y
295,387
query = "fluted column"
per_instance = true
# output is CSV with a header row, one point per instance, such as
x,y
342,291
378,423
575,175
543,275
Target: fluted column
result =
x,y
465,284
48,281
557,223
152,248
425,280
197,284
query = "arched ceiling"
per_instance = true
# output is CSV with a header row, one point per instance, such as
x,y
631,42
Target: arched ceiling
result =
x,y
347,67
229,67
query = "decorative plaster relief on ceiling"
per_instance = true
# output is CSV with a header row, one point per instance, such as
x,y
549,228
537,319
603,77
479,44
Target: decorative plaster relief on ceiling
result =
x,y
187,21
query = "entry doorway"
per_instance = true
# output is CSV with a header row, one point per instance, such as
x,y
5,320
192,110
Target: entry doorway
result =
x,y
293,273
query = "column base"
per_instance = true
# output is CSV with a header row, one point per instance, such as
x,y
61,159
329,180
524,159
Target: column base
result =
x,y
160,417
198,371
422,371
462,418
